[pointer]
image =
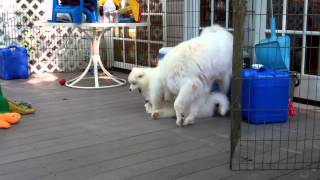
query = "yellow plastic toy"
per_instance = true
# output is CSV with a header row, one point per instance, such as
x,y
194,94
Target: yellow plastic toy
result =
x,y
21,108
133,8
7,119
116,2
101,2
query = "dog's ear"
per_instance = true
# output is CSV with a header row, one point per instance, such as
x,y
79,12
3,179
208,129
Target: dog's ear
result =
x,y
133,69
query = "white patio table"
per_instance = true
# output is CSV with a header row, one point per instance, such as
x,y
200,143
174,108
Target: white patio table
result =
x,y
94,31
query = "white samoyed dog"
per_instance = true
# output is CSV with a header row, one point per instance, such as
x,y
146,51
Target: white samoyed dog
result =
x,y
187,72
141,78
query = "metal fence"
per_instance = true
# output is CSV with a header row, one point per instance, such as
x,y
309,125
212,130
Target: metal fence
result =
x,y
295,142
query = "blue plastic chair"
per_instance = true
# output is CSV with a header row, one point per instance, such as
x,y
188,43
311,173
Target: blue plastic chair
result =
x,y
76,11
92,15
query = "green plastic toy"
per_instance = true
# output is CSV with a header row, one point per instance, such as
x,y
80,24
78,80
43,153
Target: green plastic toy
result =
x,y
4,106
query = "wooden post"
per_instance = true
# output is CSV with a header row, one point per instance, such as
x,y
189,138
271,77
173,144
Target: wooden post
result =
x,y
237,64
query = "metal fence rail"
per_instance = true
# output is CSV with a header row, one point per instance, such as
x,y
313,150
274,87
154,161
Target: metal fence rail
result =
x,y
293,144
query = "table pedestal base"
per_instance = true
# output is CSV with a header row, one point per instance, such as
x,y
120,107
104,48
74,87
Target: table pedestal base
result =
x,y
95,60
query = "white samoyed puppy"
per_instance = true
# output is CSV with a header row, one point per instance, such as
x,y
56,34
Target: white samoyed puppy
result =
x,y
188,71
141,78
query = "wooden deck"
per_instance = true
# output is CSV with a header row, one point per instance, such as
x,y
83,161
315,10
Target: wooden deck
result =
x,y
106,134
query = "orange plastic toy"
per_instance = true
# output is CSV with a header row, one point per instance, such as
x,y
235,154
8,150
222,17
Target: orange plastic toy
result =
x,y
7,119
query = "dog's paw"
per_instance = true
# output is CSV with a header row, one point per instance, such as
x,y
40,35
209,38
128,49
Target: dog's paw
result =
x,y
187,122
155,115
148,108
179,122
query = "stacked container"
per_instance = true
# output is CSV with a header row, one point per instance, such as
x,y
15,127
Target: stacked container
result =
x,y
265,95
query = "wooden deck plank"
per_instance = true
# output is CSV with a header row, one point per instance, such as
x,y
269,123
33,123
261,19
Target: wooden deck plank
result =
x,y
253,175
87,172
88,161
166,161
68,143
72,154
218,172
20,166
313,174
185,168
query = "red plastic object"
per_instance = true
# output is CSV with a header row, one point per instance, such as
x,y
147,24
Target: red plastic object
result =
x,y
291,109
62,82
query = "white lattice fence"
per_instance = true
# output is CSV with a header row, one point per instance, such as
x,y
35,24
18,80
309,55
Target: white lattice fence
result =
x,y
59,49
51,49
1,30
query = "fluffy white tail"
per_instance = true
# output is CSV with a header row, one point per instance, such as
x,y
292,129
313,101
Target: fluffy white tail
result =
x,y
222,100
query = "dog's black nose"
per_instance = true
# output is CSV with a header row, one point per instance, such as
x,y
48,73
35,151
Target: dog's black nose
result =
x,y
129,89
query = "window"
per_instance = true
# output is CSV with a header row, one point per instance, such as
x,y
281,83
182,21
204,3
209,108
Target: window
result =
x,y
140,45
217,12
